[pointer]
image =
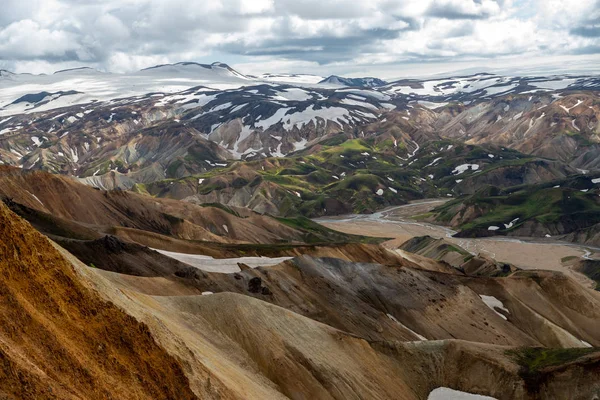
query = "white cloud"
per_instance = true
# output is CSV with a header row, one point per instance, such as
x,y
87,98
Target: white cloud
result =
x,y
345,36
123,62
27,39
109,28
255,6
458,9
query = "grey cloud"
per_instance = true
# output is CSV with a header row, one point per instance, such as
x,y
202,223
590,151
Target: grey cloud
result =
x,y
16,10
448,10
94,32
590,31
320,9
587,50
322,50
589,26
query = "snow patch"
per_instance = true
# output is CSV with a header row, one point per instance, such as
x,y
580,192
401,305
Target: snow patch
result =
x,y
222,265
74,155
35,197
358,104
433,162
431,105
300,144
444,393
464,167
494,303
421,337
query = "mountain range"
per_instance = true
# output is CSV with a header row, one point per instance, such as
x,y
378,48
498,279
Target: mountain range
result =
x,y
189,231
298,144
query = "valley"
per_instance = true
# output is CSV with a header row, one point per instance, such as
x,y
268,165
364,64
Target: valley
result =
x,y
527,253
294,236
362,200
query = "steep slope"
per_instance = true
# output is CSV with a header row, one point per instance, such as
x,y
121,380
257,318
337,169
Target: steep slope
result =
x,y
402,301
59,339
589,236
563,128
457,257
342,175
209,113
355,82
64,207
568,206
222,339
588,267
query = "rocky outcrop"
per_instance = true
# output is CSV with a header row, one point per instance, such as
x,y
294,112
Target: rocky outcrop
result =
x,y
59,339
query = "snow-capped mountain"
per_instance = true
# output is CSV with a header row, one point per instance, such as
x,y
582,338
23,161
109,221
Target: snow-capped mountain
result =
x,y
291,78
356,82
87,85
4,74
178,119
486,86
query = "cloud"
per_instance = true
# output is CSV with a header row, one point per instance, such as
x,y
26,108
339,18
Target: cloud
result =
x,y
463,9
591,31
26,39
16,10
124,35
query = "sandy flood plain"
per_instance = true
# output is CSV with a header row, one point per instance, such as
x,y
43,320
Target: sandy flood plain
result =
x,y
395,223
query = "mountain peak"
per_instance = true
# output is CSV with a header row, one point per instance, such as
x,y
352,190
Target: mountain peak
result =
x,y
192,64
362,82
215,66
78,69
220,64
4,73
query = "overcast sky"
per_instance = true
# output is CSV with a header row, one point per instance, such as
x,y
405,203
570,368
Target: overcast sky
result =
x,y
386,38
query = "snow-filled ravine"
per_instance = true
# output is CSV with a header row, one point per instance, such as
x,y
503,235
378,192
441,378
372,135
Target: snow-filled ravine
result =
x,y
444,393
223,265
493,303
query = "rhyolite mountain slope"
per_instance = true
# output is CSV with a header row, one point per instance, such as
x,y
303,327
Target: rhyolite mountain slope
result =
x,y
366,332
173,121
568,208
354,82
63,207
135,296
457,257
341,175
335,328
60,339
